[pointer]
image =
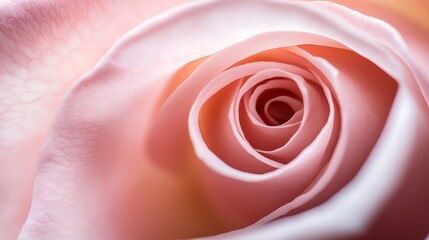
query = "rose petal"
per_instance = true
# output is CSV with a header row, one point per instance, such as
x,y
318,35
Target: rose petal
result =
x,y
45,46
411,21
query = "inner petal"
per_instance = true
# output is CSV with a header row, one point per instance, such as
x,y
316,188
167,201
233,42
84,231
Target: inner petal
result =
x,y
262,88
257,98
273,83
278,111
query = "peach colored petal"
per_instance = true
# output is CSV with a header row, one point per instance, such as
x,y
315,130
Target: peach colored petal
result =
x,y
410,20
44,47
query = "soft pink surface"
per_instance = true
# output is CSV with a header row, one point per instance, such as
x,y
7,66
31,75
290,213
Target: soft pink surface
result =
x,y
167,135
45,46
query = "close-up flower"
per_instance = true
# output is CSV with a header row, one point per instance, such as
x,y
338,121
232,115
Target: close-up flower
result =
x,y
227,119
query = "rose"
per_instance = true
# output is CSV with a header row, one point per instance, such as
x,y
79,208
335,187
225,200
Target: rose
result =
x,y
95,131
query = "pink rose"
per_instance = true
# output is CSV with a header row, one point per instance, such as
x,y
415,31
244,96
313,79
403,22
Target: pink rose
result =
x,y
245,118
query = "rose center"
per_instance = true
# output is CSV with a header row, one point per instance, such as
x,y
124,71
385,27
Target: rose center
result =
x,y
278,112
277,106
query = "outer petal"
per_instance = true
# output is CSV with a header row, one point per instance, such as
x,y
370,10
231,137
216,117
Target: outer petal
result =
x,y
44,47
410,19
